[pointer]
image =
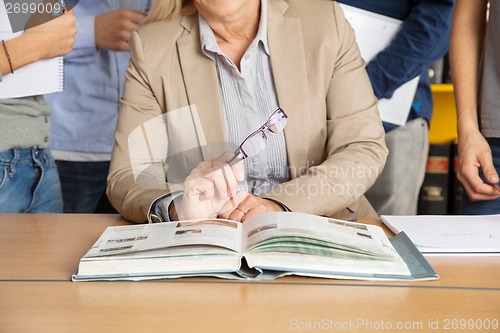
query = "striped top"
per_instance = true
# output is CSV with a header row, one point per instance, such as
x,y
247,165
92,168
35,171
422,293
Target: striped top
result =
x,y
248,98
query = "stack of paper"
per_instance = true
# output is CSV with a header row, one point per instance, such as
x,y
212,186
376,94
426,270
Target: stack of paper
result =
x,y
472,234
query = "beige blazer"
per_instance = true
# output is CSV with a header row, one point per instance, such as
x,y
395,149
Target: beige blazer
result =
x,y
334,136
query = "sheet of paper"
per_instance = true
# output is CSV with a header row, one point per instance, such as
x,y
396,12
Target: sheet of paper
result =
x,y
375,32
449,233
41,77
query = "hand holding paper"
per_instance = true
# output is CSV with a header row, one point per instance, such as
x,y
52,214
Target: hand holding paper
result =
x,y
56,36
34,56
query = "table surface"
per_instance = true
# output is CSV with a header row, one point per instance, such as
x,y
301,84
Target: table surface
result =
x,y
38,254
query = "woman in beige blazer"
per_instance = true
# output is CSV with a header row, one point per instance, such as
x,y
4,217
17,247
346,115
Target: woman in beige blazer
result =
x,y
172,106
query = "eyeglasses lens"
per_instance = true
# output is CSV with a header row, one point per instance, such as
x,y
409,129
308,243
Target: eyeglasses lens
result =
x,y
277,122
254,144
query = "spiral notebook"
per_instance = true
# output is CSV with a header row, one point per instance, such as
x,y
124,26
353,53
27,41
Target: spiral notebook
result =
x,y
38,78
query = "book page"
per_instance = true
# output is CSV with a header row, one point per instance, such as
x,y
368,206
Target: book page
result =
x,y
176,236
304,244
38,78
315,235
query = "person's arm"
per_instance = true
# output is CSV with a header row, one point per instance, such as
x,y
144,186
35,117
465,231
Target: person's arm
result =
x,y
134,183
354,151
423,39
45,41
467,39
114,28
109,31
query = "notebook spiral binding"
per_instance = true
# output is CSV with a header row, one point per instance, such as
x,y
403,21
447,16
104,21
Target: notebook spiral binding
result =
x,y
61,73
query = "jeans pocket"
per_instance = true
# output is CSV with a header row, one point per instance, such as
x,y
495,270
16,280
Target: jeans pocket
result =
x,y
49,160
4,174
38,174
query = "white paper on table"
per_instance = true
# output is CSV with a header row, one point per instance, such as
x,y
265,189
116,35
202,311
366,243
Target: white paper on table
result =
x,y
479,234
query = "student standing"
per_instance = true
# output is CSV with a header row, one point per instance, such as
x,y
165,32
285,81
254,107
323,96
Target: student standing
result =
x,y
28,175
474,60
84,115
423,39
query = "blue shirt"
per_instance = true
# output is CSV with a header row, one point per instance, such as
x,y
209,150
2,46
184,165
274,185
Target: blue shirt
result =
x,y
423,39
84,115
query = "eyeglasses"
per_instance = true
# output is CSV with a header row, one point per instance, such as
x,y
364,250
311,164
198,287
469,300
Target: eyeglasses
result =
x,y
256,141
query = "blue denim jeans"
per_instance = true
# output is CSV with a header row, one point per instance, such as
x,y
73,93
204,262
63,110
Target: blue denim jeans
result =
x,y
468,207
84,186
29,182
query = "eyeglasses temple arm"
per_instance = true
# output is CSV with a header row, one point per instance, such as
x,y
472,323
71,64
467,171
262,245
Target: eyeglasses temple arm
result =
x,y
238,156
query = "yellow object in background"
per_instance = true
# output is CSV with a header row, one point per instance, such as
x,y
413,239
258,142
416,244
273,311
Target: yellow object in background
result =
x,y
443,127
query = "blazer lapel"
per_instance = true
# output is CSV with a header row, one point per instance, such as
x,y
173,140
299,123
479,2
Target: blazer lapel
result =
x,y
289,72
290,78
202,86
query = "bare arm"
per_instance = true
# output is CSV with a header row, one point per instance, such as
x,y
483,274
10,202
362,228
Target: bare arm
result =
x,y
45,41
467,39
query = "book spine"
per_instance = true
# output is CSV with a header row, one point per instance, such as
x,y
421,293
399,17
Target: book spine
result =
x,y
433,198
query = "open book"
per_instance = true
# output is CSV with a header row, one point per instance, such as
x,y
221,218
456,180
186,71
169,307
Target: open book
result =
x,y
265,247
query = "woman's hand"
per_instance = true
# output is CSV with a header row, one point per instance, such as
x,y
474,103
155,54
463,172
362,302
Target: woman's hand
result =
x,y
251,206
45,41
475,153
209,189
53,38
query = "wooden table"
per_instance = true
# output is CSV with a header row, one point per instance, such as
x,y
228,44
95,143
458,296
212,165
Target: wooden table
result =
x,y
38,254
